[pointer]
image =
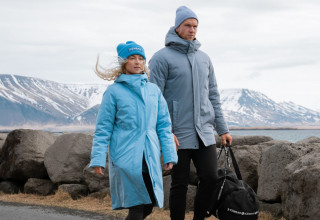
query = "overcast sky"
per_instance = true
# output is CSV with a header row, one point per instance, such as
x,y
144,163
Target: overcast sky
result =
x,y
271,46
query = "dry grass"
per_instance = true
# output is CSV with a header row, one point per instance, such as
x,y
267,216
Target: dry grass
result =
x,y
103,206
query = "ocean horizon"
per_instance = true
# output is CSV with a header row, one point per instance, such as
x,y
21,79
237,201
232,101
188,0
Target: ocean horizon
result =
x,y
291,135
286,134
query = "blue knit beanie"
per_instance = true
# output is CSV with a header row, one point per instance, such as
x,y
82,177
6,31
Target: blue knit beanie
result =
x,y
182,14
128,49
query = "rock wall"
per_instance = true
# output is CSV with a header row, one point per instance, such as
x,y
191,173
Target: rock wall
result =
x,y
285,175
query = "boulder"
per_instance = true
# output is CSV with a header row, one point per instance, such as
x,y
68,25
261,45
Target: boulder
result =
x,y
10,187
266,145
94,181
42,187
3,137
309,140
101,194
191,193
166,190
76,191
271,169
22,154
245,140
248,157
67,157
301,195
275,209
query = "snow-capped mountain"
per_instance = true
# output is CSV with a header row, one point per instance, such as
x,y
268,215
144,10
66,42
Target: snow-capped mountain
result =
x,y
246,108
27,100
92,92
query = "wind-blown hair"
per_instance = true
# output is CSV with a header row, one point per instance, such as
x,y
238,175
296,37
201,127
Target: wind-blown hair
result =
x,y
116,69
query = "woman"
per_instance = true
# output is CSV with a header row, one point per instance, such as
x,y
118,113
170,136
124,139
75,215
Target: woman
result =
x,y
134,121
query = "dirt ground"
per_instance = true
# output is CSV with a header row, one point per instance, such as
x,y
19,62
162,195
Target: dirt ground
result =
x,y
102,206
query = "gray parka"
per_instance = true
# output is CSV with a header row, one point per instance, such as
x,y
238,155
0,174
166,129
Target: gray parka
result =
x,y
186,78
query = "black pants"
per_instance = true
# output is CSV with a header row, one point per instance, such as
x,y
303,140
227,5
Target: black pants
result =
x,y
205,161
140,212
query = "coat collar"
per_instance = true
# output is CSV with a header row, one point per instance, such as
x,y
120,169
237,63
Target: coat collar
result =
x,y
180,44
134,79
134,82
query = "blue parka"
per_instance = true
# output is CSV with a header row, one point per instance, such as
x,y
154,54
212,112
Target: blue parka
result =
x,y
186,78
134,122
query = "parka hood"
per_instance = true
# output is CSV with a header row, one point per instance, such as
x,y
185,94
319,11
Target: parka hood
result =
x,y
180,44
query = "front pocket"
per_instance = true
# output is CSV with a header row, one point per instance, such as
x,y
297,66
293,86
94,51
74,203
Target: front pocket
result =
x,y
207,114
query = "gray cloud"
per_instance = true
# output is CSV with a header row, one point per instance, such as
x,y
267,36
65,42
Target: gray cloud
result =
x,y
248,40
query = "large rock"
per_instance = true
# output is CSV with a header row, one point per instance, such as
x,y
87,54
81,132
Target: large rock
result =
x,y
266,145
76,191
94,181
166,190
67,157
271,169
3,137
42,187
274,209
248,157
22,154
301,195
101,194
248,167
245,140
10,187
309,140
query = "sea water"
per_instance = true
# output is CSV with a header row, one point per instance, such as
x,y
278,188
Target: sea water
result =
x,y
287,135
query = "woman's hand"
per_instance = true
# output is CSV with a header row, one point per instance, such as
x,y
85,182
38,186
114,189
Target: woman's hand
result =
x,y
168,166
98,170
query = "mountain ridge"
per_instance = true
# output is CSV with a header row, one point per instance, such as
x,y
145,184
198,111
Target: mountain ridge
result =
x,y
28,100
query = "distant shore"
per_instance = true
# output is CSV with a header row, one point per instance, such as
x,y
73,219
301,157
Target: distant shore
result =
x,y
277,128
85,129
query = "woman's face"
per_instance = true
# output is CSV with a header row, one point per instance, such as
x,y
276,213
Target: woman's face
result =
x,y
134,64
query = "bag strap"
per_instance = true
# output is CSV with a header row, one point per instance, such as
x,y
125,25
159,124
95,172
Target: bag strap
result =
x,y
235,164
227,149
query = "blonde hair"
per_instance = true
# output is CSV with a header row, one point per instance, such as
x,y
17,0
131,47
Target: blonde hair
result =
x,y
113,73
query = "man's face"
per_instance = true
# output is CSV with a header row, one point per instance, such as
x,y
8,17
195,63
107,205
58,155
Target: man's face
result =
x,y
188,29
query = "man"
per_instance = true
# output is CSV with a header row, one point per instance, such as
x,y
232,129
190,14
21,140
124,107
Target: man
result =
x,y
186,78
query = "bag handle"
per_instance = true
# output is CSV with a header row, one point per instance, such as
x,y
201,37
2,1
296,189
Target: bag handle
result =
x,y
227,149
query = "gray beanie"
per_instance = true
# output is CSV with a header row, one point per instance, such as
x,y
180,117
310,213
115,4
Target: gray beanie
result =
x,y
182,14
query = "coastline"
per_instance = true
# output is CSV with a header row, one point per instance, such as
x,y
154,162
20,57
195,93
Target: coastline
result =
x,y
91,128
276,128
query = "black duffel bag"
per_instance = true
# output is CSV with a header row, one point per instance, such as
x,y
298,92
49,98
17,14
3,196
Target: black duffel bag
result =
x,y
233,199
